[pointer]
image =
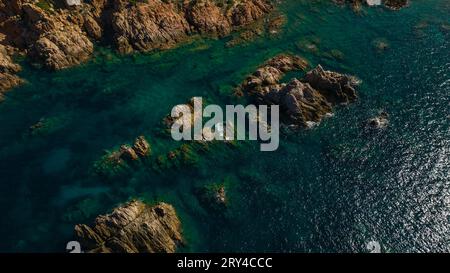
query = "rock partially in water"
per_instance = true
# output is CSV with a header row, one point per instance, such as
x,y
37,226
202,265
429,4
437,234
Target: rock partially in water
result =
x,y
395,4
207,17
379,122
59,36
213,197
245,12
127,153
271,73
336,87
8,69
220,196
141,147
133,228
305,102
114,162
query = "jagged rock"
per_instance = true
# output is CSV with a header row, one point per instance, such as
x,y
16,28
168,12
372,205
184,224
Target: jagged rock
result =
x,y
247,11
302,102
59,37
127,153
147,26
58,42
8,68
140,149
141,146
379,122
272,72
207,17
337,88
92,27
133,228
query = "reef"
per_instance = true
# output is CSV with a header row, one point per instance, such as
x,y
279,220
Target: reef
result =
x,y
213,196
303,102
113,162
133,228
61,34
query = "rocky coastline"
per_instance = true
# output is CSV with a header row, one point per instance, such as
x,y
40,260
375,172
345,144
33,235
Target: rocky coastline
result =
x,y
57,35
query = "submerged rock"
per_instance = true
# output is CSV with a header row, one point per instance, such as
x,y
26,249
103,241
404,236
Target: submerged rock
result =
x,y
133,228
213,197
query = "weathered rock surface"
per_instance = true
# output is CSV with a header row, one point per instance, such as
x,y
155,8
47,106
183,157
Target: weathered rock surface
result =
x,y
60,34
147,26
58,43
133,228
8,68
140,149
337,88
302,102
207,17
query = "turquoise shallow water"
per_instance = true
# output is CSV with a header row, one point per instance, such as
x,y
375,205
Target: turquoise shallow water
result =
x,y
330,189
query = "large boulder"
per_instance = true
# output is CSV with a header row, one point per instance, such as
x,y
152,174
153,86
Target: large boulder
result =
x,y
133,228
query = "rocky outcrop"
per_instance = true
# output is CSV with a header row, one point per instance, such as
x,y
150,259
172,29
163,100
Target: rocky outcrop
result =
x,y
337,88
133,228
157,24
302,102
57,43
147,26
207,17
59,35
246,11
8,68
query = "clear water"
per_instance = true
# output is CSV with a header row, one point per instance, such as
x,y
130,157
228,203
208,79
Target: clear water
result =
x,y
332,188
